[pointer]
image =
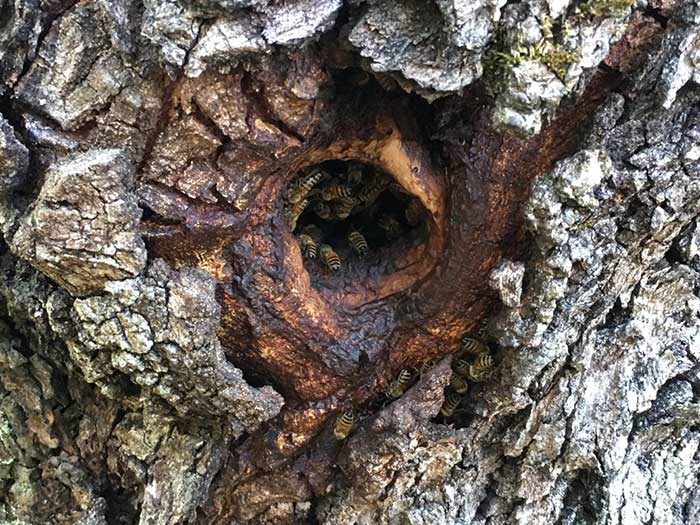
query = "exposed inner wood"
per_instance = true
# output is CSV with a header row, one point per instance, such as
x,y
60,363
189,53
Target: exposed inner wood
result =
x,y
323,346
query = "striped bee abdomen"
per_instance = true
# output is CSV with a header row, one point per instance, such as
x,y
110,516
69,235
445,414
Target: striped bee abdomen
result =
x,y
343,425
461,367
471,345
329,257
342,207
481,368
308,247
358,243
336,191
451,403
292,213
398,386
458,384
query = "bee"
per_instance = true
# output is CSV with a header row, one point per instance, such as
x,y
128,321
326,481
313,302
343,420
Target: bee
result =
x,y
458,384
329,257
342,207
481,368
452,401
308,246
293,193
427,365
312,231
313,178
358,242
391,227
343,425
370,192
413,212
471,345
323,210
398,386
301,189
336,191
292,213
354,175
461,366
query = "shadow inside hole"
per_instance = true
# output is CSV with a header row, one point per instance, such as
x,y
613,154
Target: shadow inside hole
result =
x,y
390,220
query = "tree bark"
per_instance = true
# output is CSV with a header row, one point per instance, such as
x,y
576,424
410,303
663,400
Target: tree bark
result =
x,y
168,353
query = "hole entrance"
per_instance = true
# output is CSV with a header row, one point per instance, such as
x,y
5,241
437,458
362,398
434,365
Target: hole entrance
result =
x,y
352,221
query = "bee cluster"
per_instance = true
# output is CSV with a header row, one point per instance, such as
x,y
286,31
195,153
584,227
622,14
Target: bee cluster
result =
x,y
346,421
475,363
347,208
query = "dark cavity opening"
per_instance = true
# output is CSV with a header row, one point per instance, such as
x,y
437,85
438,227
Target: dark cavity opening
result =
x,y
351,219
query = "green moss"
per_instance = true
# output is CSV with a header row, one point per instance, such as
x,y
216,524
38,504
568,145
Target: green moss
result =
x,y
605,8
498,62
497,65
558,60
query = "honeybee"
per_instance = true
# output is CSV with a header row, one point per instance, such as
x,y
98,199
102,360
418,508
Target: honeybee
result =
x,y
312,231
344,424
481,368
323,210
301,189
391,227
293,193
292,213
471,345
358,242
451,403
354,175
370,192
458,384
427,365
329,257
342,207
336,191
398,386
413,212
308,246
461,366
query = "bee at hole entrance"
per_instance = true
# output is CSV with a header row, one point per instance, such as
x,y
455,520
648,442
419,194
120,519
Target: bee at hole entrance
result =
x,y
344,424
400,384
355,209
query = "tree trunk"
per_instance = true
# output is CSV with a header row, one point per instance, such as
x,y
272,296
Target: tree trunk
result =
x,y
171,354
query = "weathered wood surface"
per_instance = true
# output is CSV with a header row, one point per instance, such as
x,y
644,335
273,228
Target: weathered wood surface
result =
x,y
168,357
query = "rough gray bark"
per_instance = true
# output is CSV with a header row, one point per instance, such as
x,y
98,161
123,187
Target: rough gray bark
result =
x,y
120,401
